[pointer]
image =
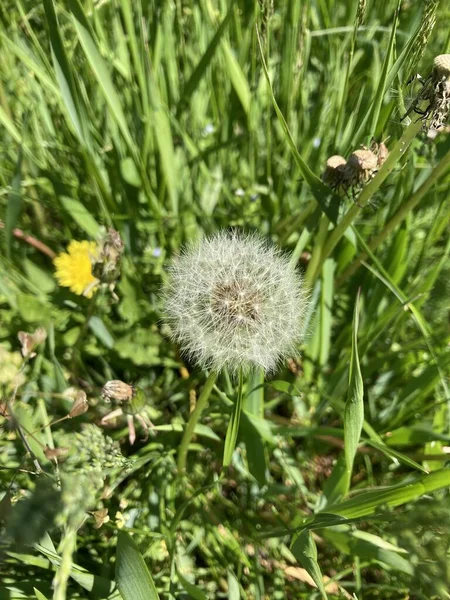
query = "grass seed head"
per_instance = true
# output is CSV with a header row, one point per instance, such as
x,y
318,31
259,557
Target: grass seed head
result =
x,y
233,300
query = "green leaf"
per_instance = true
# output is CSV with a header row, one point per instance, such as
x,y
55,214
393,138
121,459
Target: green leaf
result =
x,y
233,587
132,575
354,407
80,215
130,173
100,331
367,503
39,595
305,551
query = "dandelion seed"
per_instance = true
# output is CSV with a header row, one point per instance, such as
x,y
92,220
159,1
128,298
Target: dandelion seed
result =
x,y
233,301
74,268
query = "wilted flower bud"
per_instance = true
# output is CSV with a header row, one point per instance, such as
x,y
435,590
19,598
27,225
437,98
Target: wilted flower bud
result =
x,y
101,517
334,173
55,453
382,153
235,301
107,263
117,390
435,92
361,167
80,405
30,340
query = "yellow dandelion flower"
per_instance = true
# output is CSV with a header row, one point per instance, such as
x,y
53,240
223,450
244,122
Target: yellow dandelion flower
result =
x,y
74,268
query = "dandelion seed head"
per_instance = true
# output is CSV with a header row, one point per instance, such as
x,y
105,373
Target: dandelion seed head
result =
x,y
234,301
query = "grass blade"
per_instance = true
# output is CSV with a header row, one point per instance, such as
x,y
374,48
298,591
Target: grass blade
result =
x,y
200,69
100,71
132,575
305,551
354,407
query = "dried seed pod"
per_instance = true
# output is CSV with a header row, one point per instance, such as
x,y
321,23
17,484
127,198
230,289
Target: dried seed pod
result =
x,y
382,153
80,405
55,453
361,167
30,340
333,175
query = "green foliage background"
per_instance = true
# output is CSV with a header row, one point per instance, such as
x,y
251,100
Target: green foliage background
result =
x,y
157,119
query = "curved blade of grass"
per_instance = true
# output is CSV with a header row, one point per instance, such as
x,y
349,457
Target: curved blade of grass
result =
x,y
132,575
354,407
396,454
320,191
382,84
305,551
367,503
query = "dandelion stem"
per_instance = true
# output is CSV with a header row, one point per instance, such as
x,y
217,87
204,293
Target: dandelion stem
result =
x,y
233,426
193,420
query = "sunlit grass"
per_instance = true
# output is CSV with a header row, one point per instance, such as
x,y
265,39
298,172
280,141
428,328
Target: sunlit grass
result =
x,y
167,122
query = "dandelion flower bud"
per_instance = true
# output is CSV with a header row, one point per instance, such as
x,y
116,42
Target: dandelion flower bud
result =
x,y
233,300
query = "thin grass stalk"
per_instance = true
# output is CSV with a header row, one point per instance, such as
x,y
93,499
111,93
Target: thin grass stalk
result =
x,y
193,420
233,426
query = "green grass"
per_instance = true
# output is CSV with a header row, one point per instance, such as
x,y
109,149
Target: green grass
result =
x,y
168,121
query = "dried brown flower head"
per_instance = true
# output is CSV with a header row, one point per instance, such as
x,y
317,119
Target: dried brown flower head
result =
x,y
117,390
30,340
361,167
333,176
436,91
